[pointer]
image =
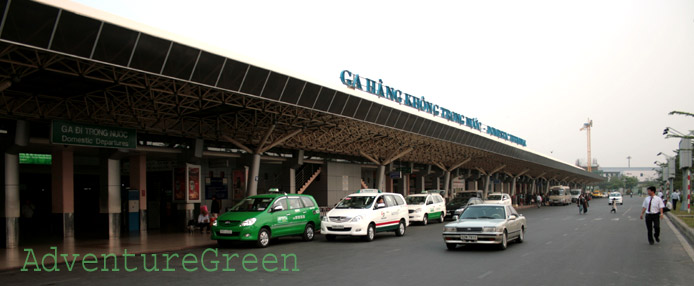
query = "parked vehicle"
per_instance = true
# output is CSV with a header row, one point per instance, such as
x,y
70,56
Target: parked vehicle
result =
x,y
574,194
366,212
559,195
458,204
615,197
263,217
423,207
498,198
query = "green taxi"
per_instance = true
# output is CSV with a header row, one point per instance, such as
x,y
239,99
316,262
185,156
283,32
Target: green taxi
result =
x,y
262,217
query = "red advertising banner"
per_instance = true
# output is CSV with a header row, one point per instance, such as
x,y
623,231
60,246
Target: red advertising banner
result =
x,y
194,178
179,183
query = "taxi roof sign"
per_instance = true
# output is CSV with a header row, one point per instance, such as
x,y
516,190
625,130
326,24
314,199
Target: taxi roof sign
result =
x,y
274,190
369,191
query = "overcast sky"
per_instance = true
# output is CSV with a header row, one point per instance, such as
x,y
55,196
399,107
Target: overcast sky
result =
x,y
535,69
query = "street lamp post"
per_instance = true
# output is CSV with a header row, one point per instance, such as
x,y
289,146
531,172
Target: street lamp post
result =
x,y
685,165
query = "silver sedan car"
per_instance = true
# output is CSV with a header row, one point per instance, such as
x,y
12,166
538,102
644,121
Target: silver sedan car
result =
x,y
485,224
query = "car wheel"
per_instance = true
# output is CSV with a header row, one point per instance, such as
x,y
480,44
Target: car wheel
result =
x,y
330,237
401,229
451,246
425,220
370,233
263,238
504,241
308,233
441,219
521,236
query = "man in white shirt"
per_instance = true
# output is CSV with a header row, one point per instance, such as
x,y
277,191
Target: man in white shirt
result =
x,y
653,208
675,198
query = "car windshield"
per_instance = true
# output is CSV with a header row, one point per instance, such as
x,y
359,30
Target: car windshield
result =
x,y
418,200
575,193
483,212
252,205
494,197
356,202
458,201
615,195
556,192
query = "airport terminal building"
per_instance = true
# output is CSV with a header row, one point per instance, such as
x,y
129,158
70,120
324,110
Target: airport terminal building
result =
x,y
109,128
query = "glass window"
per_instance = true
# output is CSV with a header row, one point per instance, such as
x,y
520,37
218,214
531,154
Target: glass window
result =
x,y
355,202
281,202
390,202
399,200
308,202
416,200
252,205
295,203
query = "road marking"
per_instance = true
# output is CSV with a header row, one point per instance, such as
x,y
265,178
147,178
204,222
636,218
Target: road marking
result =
x,y
575,229
484,275
597,218
615,219
526,254
566,234
548,243
393,250
582,218
685,244
626,211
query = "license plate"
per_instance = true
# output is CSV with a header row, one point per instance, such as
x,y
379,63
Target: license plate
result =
x,y
338,226
468,237
225,231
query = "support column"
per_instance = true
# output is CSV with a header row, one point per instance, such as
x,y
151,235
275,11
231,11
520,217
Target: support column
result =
x,y
63,189
381,178
447,183
292,181
513,186
114,201
11,200
255,170
486,186
138,181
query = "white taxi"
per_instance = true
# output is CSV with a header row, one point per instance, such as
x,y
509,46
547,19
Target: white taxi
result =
x,y
423,207
498,198
366,212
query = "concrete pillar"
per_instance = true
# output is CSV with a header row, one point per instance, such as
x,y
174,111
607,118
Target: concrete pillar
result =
x,y
477,187
12,204
255,170
420,183
486,185
138,181
63,189
447,183
532,189
513,186
114,200
292,181
381,178
438,183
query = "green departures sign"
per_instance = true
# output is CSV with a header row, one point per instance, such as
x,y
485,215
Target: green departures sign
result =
x,y
68,133
35,159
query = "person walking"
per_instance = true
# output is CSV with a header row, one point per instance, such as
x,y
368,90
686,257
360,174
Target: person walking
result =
x,y
614,206
580,202
675,198
539,201
653,208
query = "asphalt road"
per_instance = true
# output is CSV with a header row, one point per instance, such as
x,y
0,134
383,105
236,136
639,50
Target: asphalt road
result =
x,y
561,247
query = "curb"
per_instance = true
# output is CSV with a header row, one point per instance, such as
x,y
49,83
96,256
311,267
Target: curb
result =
x,y
684,229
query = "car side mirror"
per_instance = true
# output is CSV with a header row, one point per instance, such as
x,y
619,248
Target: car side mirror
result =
x,y
512,217
277,209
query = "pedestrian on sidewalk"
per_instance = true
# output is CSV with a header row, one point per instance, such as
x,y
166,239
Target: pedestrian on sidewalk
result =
x,y
653,208
539,201
204,219
580,202
675,198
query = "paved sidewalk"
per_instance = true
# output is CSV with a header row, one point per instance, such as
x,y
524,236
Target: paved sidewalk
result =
x,y
146,243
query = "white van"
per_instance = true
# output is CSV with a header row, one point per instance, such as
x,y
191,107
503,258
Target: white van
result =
x,y
366,212
423,207
559,195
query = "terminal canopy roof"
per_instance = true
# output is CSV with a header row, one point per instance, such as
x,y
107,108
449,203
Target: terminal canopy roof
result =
x,y
70,65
